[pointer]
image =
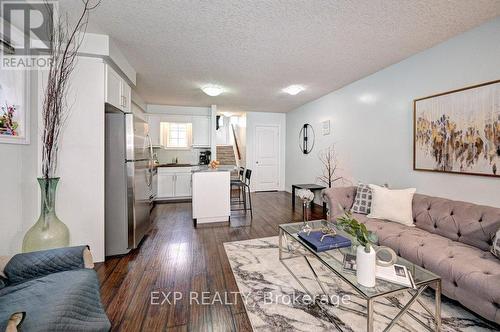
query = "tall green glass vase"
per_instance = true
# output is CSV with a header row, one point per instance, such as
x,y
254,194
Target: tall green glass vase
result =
x,y
49,231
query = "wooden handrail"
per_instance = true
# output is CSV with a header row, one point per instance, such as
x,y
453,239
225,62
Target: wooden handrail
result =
x,y
236,142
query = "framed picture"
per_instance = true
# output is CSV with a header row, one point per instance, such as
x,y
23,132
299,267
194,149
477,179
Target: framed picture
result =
x,y
349,262
458,131
14,106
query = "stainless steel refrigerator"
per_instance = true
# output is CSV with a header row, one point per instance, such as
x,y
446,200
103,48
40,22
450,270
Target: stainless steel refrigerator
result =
x,y
129,181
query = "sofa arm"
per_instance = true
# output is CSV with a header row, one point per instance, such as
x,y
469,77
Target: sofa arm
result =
x,y
26,266
339,200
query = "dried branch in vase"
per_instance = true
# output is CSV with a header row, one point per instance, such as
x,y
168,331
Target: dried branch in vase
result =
x,y
328,160
64,43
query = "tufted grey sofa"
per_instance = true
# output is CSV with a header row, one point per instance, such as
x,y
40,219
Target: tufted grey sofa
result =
x,y
450,238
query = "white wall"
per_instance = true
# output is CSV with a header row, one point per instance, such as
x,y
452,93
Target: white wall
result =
x,y
19,198
374,140
80,197
254,119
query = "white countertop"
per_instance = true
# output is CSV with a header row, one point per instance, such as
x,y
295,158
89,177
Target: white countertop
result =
x,y
218,169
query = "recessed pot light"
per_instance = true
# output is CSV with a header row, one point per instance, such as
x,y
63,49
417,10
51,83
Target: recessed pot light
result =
x,y
294,89
212,90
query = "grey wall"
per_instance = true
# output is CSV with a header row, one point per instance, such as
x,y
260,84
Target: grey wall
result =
x,y
373,134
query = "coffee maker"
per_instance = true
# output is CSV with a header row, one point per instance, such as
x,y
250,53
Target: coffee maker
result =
x,y
205,157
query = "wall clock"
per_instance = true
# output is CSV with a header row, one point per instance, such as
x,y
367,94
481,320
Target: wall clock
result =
x,y
306,138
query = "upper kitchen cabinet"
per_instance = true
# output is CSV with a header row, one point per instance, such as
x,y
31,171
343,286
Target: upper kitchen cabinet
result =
x,y
154,122
118,92
201,131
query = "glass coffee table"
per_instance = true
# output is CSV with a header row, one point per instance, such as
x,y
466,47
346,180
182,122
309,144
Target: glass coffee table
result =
x,y
292,246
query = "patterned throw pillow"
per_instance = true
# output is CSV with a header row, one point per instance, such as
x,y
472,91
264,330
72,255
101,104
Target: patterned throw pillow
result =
x,y
495,247
363,201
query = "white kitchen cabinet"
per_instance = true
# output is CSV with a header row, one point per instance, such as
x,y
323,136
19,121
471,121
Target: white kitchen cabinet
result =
x,y
118,93
154,129
166,183
113,87
127,97
182,185
174,182
201,131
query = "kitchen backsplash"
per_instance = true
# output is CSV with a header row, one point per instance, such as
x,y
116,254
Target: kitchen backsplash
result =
x,y
184,156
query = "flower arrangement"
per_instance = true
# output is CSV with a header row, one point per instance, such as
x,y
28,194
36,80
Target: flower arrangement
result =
x,y
8,126
305,195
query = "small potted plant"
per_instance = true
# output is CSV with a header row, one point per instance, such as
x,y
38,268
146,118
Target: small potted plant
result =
x,y
365,253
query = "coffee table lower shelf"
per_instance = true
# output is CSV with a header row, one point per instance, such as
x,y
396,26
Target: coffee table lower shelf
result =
x,y
286,249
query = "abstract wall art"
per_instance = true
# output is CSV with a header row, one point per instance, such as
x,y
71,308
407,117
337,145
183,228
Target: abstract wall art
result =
x,y
459,131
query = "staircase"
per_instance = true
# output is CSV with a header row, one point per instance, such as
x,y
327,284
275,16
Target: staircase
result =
x,y
225,155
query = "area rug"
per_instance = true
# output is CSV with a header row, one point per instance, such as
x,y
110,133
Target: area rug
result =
x,y
274,301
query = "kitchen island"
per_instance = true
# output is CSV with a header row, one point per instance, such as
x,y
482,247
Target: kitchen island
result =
x,y
211,194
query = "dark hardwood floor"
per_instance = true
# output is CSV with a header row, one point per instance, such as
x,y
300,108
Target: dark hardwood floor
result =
x,y
176,257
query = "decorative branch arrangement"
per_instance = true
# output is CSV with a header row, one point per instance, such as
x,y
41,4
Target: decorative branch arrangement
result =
x,y
328,159
63,45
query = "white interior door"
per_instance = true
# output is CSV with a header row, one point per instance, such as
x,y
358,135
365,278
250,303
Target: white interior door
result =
x,y
267,158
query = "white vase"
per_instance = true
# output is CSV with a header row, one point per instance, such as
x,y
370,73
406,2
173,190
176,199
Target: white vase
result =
x,y
365,266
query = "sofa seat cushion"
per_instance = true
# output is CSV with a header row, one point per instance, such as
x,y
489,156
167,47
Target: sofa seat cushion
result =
x,y
63,301
464,266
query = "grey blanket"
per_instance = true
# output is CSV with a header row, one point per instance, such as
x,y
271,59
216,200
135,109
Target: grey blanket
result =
x,y
63,301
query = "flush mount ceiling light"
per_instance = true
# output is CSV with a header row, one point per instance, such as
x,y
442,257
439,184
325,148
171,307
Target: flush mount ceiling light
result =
x,y
293,89
367,98
212,90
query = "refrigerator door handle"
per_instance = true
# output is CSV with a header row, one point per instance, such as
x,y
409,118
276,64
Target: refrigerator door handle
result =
x,y
149,179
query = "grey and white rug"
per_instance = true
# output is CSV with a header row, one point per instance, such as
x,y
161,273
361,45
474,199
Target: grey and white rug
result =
x,y
275,301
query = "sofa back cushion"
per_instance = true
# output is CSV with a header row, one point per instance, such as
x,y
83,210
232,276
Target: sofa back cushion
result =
x,y
468,223
339,199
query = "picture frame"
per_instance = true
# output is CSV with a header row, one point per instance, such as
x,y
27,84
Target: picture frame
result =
x,y
14,107
458,131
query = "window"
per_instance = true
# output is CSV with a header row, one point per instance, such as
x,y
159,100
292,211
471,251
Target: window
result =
x,y
175,135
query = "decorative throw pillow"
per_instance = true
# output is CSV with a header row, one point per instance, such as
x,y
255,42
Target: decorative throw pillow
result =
x,y
495,247
392,205
363,199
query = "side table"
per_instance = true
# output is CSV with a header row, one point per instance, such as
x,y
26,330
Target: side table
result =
x,y
312,187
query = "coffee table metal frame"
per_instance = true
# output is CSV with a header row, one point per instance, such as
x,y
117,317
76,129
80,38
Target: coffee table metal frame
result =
x,y
415,293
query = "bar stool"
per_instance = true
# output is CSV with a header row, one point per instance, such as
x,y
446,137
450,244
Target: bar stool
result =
x,y
236,183
244,186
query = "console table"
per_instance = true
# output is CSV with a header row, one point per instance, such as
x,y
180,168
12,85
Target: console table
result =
x,y
312,187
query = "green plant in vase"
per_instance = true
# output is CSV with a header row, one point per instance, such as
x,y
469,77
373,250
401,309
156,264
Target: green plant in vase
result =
x,y
358,230
365,253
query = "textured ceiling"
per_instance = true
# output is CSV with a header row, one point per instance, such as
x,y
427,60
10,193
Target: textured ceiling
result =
x,y
256,48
